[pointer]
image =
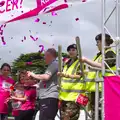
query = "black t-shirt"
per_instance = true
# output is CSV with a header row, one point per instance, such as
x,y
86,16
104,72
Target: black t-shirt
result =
x,y
109,54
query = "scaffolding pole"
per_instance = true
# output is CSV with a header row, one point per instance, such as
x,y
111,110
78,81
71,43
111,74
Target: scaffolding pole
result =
x,y
97,98
103,55
117,36
116,39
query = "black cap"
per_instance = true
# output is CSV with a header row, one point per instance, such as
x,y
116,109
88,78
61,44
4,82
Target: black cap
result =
x,y
72,46
107,38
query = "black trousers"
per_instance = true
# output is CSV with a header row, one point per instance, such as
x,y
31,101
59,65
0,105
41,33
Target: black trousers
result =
x,y
48,108
17,118
26,115
3,116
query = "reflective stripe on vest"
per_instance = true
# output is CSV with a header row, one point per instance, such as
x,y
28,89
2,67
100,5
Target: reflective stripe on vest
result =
x,y
70,88
72,81
90,86
76,91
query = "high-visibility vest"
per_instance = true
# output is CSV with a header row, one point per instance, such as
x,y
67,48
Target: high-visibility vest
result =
x,y
90,86
71,88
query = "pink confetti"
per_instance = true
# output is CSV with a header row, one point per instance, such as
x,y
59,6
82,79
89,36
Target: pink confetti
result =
x,y
2,38
77,19
24,38
4,43
42,48
1,32
1,26
2,3
32,37
37,20
54,13
44,22
37,38
4,25
65,0
84,0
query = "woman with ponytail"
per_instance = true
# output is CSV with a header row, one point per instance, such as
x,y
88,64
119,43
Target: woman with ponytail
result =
x,y
110,60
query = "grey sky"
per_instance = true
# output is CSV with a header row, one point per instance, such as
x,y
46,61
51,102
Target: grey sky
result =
x,y
62,30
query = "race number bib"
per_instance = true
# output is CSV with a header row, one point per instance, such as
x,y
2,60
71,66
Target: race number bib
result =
x,y
6,85
16,105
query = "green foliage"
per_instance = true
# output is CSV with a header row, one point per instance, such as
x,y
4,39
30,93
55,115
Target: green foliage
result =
x,y
38,64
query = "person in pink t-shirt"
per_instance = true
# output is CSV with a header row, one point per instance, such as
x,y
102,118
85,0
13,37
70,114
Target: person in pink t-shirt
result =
x,y
27,108
5,83
16,104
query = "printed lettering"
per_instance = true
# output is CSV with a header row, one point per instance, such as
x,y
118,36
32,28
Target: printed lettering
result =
x,y
2,11
11,5
44,2
15,3
8,5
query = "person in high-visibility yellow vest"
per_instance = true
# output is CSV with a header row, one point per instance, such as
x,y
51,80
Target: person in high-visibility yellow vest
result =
x,y
70,86
110,61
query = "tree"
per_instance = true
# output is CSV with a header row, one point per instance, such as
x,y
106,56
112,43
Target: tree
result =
x,y
31,62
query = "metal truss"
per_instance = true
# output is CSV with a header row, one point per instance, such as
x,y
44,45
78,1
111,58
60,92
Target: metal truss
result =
x,y
116,39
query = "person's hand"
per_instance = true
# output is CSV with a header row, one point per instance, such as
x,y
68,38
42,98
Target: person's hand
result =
x,y
7,100
66,75
83,59
60,74
12,97
30,74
